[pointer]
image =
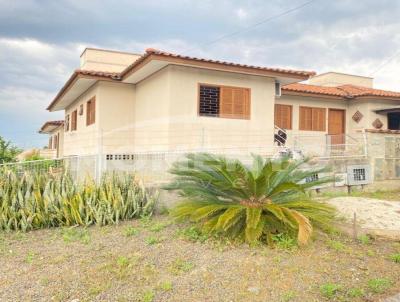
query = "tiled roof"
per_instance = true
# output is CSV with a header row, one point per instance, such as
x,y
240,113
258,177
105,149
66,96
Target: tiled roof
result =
x,y
104,74
152,51
314,89
343,91
51,123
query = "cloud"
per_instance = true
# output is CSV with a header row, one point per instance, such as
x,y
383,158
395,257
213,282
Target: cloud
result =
x,y
40,41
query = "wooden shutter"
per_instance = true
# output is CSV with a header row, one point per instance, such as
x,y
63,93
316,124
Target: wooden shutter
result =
x,y
318,119
235,102
50,142
74,118
67,123
91,111
305,119
55,142
283,116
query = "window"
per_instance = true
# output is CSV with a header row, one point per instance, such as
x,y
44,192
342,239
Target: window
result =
x,y
312,119
223,101
74,117
278,90
393,121
91,111
67,123
55,140
283,116
50,142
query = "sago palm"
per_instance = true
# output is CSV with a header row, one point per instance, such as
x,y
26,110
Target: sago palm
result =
x,y
250,202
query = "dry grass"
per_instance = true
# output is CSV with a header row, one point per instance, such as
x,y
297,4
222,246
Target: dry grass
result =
x,y
393,195
155,261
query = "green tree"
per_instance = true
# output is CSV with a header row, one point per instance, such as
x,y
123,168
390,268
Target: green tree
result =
x,y
8,151
250,202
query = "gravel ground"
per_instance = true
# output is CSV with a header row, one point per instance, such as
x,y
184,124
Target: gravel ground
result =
x,y
153,261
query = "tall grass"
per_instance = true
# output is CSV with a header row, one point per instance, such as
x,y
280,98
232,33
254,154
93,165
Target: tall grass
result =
x,y
40,200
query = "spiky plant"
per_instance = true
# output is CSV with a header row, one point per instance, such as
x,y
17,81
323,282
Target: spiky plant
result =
x,y
36,200
249,202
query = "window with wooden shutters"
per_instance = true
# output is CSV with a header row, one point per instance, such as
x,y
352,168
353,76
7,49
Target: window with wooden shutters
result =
x,y
235,103
91,111
283,116
67,123
55,140
224,101
50,142
312,119
74,119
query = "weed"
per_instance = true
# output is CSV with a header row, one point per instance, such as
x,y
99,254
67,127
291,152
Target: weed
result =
x,y
336,245
166,286
145,220
356,292
193,234
329,290
365,239
148,296
288,296
285,242
75,234
395,257
130,231
180,266
371,253
29,258
379,285
157,227
151,240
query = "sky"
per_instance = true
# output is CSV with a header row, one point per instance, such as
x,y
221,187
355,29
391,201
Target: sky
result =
x,y
40,42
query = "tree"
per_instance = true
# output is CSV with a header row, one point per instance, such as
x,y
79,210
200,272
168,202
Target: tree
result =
x,y
8,152
252,203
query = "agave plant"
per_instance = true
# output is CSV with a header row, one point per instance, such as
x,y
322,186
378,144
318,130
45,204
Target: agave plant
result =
x,y
40,200
249,202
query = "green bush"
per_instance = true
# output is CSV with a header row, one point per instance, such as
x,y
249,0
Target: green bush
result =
x,y
40,200
251,203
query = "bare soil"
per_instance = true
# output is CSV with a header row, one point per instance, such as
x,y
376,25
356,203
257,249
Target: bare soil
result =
x,y
153,261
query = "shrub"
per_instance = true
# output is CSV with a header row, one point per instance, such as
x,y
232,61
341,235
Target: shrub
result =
x,y
40,200
252,203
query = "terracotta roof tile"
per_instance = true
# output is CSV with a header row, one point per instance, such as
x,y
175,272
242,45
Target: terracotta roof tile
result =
x,y
51,123
343,91
152,51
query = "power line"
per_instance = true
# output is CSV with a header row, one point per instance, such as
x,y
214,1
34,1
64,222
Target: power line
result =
x,y
246,29
384,63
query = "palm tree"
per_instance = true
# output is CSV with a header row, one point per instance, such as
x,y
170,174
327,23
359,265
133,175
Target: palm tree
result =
x,y
252,203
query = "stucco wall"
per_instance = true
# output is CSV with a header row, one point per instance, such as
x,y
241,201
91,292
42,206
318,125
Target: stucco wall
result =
x,y
337,79
187,128
85,139
106,60
311,140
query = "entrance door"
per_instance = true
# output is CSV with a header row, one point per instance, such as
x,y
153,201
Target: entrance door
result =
x,y
336,126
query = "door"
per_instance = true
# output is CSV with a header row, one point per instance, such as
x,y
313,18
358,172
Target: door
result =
x,y
336,126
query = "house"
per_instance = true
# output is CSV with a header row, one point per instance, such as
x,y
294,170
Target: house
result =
x,y
121,103
124,103
55,131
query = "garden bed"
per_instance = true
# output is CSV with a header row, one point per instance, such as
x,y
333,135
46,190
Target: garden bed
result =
x,y
155,260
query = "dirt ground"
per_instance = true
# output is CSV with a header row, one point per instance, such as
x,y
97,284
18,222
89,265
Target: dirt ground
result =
x,y
155,260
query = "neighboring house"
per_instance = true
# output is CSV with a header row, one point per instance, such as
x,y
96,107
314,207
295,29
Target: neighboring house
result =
x,y
123,103
119,103
336,107
55,131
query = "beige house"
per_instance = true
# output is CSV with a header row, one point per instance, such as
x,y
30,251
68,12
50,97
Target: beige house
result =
x,y
55,131
123,103
119,103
